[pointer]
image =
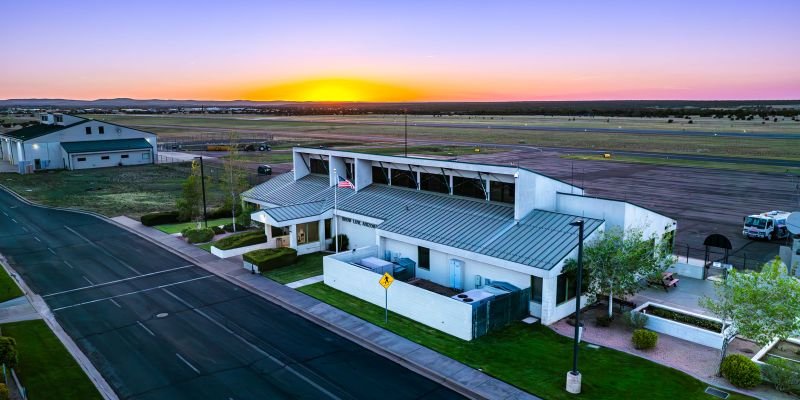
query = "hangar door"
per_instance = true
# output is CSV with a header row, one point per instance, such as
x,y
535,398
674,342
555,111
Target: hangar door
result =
x,y
107,153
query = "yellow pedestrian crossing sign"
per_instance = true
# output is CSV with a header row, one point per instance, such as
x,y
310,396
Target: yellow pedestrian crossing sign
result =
x,y
386,280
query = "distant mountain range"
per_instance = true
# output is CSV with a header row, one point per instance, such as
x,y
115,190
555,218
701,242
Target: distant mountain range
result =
x,y
159,103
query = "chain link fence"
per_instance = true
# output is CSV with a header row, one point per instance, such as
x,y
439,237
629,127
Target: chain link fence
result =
x,y
740,259
213,170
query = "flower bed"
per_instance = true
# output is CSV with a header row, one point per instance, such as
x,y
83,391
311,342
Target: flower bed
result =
x,y
683,324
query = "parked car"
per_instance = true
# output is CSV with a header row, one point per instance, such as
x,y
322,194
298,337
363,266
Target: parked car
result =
x,y
264,170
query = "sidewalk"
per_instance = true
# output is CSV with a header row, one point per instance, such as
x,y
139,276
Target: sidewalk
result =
x,y
444,370
19,309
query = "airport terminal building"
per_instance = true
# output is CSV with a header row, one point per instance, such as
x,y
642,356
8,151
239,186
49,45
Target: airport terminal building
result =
x,y
439,224
62,141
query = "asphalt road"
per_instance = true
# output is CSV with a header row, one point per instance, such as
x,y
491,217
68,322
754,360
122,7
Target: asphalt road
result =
x,y
159,327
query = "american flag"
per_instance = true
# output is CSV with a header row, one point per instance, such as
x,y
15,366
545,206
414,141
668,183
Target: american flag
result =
x,y
344,183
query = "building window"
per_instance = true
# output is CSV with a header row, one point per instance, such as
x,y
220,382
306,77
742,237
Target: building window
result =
x,y
59,118
318,166
145,156
88,130
501,191
424,258
104,157
81,158
350,169
44,118
469,187
434,183
328,230
380,175
536,289
124,156
277,232
101,130
404,178
566,285
308,233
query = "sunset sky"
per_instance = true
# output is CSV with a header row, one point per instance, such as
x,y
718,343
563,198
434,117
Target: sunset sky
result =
x,y
400,50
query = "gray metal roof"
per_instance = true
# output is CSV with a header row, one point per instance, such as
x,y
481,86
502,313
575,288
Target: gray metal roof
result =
x,y
540,240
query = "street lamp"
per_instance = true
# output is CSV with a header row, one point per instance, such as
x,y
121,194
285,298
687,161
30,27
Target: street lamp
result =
x,y
574,377
203,186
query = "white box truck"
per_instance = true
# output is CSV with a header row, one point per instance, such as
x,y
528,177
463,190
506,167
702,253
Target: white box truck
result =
x,y
770,225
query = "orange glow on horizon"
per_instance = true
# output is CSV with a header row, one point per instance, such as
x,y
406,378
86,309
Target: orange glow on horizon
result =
x,y
335,89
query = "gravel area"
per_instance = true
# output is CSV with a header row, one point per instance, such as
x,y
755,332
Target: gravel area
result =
x,y
694,359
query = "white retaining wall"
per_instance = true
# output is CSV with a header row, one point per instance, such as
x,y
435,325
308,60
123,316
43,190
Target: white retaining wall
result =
x,y
681,330
241,250
443,313
687,270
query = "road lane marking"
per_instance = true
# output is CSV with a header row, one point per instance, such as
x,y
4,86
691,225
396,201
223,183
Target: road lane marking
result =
x,y
37,239
51,250
146,329
4,213
15,221
87,280
69,265
104,251
254,347
115,281
115,303
188,363
134,292
24,229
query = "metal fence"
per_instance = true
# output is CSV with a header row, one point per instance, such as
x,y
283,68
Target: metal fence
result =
x,y
200,140
12,382
215,171
500,311
739,259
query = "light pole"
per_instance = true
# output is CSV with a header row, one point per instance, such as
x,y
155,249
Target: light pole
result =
x,y
574,377
203,186
405,112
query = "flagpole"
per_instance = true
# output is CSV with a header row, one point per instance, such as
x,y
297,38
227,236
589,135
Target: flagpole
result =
x,y
335,200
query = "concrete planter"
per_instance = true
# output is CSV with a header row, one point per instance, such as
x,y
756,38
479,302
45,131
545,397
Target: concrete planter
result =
x,y
766,349
241,250
680,330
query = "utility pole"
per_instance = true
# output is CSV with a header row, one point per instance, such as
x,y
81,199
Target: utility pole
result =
x,y
203,186
574,377
405,112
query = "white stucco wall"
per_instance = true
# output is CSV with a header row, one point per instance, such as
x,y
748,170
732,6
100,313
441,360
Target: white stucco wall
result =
x,y
434,310
616,214
358,235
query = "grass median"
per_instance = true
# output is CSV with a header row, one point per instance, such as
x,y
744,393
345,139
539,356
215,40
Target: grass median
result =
x,y
45,367
534,358
8,288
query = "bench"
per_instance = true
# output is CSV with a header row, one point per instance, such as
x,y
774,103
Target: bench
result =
x,y
667,281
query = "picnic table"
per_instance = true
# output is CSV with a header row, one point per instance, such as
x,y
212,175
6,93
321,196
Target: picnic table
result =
x,y
668,280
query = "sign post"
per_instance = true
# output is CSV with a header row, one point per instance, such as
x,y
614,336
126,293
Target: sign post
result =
x,y
386,281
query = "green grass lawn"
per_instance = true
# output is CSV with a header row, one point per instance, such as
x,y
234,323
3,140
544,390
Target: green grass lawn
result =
x,y
674,162
307,265
45,367
131,191
535,358
177,228
8,288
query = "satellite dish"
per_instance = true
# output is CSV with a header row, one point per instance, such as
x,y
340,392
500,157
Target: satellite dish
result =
x,y
793,223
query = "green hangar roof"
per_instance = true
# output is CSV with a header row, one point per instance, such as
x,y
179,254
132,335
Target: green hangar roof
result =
x,y
34,131
97,146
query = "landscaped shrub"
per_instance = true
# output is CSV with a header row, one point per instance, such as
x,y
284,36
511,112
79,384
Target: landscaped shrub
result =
x,y
241,240
223,212
8,351
603,320
783,374
741,371
269,259
218,230
159,218
4,395
229,227
635,320
643,339
713,326
201,235
343,243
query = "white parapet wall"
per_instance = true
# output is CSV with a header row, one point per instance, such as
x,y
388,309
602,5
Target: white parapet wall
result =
x,y
440,312
687,270
681,330
241,250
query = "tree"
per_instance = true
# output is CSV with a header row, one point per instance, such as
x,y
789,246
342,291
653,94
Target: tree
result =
x,y
8,351
234,181
761,306
190,204
617,260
